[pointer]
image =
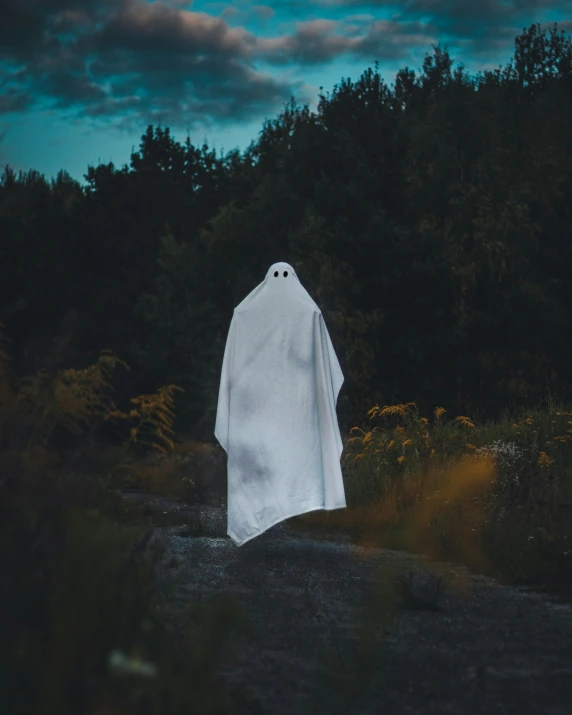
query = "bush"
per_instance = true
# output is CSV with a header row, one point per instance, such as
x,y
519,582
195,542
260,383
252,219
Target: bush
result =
x,y
497,497
84,625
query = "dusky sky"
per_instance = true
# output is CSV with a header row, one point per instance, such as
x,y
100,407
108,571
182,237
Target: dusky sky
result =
x,y
80,80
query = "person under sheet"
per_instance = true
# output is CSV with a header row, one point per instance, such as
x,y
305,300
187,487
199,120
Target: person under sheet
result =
x,y
276,412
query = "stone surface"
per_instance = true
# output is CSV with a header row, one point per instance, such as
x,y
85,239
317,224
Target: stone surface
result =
x,y
483,648
197,519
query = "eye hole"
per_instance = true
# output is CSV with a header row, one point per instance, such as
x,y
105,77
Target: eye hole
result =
x,y
275,274
285,274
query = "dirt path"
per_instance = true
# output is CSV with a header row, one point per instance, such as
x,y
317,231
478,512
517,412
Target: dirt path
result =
x,y
492,649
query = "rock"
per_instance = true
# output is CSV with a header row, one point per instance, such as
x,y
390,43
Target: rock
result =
x,y
197,519
420,589
302,651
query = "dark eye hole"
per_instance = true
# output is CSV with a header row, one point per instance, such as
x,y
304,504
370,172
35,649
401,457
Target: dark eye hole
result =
x,y
275,274
285,274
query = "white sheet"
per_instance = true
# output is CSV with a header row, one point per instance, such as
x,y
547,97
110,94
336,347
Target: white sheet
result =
x,y
276,414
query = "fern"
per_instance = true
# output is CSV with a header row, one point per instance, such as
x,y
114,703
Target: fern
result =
x,y
73,399
33,407
153,416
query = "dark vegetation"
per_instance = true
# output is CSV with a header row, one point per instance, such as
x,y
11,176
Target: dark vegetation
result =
x,y
431,222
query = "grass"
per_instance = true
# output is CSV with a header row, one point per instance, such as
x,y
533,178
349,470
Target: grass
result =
x,y
85,628
496,497
191,471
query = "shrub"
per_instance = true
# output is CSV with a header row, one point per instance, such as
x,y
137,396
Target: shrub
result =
x,y
84,626
496,496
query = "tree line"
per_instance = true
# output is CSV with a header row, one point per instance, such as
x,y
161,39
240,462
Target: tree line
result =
x,y
431,221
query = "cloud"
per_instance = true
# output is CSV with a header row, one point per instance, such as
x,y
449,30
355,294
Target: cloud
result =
x,y
320,41
144,29
230,12
480,27
263,12
131,61
259,14
127,59
135,60
14,101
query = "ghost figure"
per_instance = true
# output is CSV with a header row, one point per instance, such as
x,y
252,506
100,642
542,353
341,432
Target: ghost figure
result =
x,y
276,413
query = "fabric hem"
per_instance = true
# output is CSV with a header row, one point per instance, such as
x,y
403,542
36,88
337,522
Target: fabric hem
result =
x,y
283,518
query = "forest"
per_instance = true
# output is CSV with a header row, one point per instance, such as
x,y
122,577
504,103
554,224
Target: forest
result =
x,y
430,221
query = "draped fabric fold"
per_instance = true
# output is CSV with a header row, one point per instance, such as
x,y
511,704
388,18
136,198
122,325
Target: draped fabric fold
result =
x,y
276,414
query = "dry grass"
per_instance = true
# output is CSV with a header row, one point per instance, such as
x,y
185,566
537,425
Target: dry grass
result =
x,y
84,626
88,631
496,497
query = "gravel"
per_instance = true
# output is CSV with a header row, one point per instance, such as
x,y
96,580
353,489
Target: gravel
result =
x,y
444,641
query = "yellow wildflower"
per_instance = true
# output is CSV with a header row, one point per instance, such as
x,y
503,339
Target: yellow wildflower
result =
x,y
390,445
439,412
466,421
401,459
470,446
116,414
394,410
544,460
407,441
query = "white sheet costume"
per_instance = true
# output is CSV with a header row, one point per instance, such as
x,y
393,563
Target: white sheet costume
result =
x,y
276,414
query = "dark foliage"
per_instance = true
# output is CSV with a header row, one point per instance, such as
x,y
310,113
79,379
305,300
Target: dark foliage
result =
x,y
431,222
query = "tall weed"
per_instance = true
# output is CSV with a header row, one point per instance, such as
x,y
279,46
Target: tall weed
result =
x,y
496,496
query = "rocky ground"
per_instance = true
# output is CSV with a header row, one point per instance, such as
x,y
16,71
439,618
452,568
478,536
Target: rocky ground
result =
x,y
451,643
